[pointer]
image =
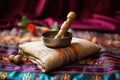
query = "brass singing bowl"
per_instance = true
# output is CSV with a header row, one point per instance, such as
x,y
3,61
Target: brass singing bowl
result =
x,y
49,41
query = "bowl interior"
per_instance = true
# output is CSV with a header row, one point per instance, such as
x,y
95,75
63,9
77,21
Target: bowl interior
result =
x,y
49,41
52,34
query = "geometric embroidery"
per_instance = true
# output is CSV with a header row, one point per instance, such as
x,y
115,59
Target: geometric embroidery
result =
x,y
96,77
65,77
3,75
27,76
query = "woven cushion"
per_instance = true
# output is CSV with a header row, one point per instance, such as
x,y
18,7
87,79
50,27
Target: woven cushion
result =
x,y
49,58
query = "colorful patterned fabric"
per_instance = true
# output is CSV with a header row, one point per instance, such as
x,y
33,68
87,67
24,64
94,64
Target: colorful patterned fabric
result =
x,y
105,65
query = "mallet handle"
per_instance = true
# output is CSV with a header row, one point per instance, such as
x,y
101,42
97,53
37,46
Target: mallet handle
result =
x,y
65,26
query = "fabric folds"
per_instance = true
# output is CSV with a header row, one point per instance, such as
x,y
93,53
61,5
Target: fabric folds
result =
x,y
48,59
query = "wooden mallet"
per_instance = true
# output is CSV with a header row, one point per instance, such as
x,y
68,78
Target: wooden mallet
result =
x,y
66,24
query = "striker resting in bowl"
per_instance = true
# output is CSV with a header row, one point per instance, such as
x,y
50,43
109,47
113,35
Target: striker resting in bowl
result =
x,y
50,41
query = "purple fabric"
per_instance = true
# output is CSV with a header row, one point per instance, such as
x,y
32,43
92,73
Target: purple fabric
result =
x,y
91,65
99,15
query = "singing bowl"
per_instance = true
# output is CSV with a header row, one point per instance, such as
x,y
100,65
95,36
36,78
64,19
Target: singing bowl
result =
x,y
49,41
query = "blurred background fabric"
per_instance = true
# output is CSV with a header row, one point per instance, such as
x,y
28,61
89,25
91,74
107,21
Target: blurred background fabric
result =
x,y
97,15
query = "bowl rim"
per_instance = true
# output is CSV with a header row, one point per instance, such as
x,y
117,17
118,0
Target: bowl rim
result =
x,y
66,37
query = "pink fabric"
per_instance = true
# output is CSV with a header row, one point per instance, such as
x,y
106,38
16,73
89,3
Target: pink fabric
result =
x,y
99,15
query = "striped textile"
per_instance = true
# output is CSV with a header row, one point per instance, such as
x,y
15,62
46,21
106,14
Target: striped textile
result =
x,y
105,65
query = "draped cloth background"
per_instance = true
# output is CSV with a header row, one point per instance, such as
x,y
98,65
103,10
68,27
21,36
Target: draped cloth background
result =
x,y
99,15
